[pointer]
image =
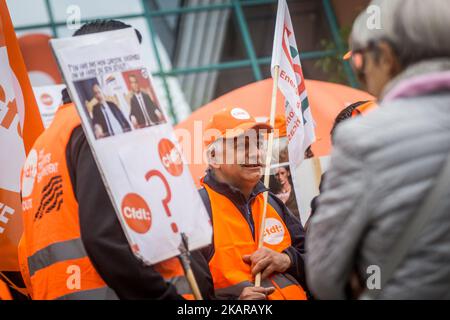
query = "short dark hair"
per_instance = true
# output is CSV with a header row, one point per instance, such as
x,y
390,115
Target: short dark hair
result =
x,y
345,114
104,25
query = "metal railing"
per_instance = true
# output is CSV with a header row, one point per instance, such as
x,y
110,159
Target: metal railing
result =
x,y
237,7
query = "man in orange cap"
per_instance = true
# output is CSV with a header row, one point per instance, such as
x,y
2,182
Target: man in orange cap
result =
x,y
233,194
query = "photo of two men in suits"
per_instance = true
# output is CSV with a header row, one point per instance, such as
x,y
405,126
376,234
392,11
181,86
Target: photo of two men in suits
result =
x,y
137,109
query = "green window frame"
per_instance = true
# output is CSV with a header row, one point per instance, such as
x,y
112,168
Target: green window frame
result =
x,y
237,9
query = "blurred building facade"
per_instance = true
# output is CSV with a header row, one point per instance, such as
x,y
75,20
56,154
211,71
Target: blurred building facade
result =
x,y
200,49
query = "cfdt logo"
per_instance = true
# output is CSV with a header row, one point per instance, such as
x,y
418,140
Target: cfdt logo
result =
x,y
273,232
170,157
136,212
46,99
29,173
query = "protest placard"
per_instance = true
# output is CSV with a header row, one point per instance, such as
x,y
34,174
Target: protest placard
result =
x,y
145,174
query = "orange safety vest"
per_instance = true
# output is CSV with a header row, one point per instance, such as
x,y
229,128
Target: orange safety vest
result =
x,y
233,239
57,266
4,291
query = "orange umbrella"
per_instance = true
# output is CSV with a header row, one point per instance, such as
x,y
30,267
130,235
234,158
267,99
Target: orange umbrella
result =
x,y
326,100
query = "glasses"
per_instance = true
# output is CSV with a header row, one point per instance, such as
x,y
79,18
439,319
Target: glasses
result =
x,y
358,62
358,58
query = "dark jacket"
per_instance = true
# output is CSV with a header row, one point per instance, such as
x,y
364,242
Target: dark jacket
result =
x,y
150,108
296,252
105,241
99,118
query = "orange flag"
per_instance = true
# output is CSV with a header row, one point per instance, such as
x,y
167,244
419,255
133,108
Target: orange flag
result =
x,y
20,125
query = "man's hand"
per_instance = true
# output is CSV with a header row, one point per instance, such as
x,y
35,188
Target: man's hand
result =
x,y
134,122
98,131
256,293
159,115
267,261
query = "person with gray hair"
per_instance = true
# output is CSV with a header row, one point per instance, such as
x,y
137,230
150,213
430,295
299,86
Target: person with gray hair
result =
x,y
384,165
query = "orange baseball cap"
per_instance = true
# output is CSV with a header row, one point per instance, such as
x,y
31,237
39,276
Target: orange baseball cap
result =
x,y
280,126
232,122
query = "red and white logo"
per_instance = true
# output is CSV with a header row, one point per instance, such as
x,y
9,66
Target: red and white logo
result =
x,y
240,114
273,232
29,173
46,99
136,212
170,157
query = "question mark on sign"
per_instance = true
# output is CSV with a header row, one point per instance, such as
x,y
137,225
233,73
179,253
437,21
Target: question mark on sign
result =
x,y
166,200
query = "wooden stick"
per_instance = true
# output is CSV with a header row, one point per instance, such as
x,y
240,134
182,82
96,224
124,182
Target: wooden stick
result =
x,y
273,108
186,263
317,172
193,283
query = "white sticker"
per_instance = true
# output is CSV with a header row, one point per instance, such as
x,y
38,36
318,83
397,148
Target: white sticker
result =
x,y
273,232
240,114
29,173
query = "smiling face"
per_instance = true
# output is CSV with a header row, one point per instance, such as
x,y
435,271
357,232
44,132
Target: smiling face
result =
x,y
239,161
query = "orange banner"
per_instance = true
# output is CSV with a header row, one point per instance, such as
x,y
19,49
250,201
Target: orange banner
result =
x,y
20,125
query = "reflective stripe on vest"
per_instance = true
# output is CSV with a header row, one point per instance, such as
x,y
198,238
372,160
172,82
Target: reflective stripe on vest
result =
x,y
172,271
57,252
233,239
66,251
104,293
57,263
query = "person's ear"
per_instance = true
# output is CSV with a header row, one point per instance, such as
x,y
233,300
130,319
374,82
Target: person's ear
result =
x,y
387,59
213,163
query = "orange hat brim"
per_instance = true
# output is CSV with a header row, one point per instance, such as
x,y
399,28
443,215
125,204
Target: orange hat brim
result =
x,y
242,128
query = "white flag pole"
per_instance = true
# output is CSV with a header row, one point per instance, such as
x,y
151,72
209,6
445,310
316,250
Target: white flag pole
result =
x,y
273,108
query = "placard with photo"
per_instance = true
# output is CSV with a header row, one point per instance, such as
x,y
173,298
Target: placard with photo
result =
x,y
134,146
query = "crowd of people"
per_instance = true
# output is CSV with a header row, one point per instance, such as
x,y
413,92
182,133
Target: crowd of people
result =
x,y
388,160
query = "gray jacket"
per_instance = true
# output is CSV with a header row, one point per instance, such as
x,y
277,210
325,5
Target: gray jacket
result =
x,y
382,167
